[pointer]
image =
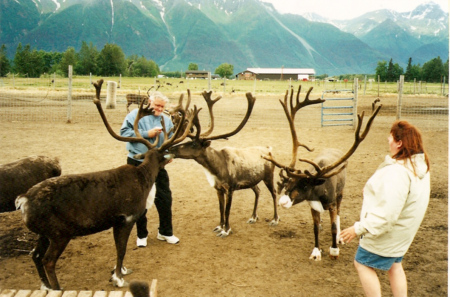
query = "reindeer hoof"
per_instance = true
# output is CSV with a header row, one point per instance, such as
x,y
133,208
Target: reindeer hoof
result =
x,y
274,222
118,282
334,253
224,234
45,288
316,255
252,220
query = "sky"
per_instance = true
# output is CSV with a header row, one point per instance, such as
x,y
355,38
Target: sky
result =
x,y
348,9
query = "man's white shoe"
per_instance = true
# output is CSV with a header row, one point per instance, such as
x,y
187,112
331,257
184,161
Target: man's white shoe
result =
x,y
170,239
141,242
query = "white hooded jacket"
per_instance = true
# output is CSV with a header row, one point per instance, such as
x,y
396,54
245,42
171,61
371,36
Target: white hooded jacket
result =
x,y
394,205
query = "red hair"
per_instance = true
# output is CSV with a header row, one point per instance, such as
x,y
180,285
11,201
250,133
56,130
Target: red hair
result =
x,y
411,139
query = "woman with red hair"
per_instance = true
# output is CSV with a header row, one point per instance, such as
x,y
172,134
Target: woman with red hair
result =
x,y
395,201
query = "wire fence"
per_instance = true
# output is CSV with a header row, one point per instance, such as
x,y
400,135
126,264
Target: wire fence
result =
x,y
53,99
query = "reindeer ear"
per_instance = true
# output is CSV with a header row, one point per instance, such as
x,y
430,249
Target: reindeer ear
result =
x,y
206,144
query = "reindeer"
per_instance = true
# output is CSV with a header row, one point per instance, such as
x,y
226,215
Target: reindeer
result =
x,y
137,99
322,183
64,207
229,169
17,177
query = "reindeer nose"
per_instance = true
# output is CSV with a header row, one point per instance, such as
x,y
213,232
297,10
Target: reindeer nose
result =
x,y
285,201
169,156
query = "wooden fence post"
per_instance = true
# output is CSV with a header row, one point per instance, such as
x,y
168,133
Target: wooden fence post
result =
x,y
69,96
400,93
355,104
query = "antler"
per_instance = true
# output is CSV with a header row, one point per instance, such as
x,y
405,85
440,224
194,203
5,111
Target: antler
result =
x,y
290,115
251,103
210,102
177,136
174,111
339,165
181,131
327,171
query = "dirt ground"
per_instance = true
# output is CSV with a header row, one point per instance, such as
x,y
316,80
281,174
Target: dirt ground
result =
x,y
255,260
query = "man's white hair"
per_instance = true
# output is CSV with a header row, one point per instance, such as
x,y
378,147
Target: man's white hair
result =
x,y
159,95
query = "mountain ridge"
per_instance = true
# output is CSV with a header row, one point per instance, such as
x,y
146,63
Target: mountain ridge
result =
x,y
244,33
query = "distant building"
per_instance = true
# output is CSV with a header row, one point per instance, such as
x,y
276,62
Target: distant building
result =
x,y
203,74
197,74
277,74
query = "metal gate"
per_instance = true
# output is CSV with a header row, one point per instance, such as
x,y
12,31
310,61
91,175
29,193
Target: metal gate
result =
x,y
338,110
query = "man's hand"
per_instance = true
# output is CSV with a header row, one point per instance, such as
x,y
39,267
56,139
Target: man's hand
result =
x,y
154,132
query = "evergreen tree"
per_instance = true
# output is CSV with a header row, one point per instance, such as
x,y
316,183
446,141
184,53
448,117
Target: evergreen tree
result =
x,y
51,61
433,70
87,59
408,74
390,76
140,66
446,70
111,60
35,65
416,72
397,71
68,58
5,65
381,70
28,62
20,59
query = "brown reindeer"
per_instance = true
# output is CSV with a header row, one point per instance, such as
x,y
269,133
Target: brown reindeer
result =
x,y
61,208
17,177
137,98
322,183
229,169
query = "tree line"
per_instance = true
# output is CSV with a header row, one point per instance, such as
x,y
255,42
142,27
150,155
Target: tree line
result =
x,y
111,61
431,71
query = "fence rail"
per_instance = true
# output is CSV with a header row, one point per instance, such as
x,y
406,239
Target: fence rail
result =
x,y
68,293
50,103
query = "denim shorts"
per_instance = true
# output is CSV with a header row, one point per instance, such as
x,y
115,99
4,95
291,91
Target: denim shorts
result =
x,y
375,261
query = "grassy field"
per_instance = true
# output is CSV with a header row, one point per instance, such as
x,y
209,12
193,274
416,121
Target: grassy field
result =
x,y
174,85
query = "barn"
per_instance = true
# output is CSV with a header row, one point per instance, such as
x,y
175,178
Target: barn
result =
x,y
277,74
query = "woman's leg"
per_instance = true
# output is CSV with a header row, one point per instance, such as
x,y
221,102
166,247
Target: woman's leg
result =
x,y
397,278
369,280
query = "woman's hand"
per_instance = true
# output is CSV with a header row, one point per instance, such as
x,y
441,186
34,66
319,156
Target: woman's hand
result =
x,y
348,234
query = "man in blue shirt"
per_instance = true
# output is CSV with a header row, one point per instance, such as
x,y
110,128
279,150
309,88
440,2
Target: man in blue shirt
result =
x,y
149,127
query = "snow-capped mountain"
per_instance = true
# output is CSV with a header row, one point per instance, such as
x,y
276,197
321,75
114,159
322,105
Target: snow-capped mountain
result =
x,y
244,33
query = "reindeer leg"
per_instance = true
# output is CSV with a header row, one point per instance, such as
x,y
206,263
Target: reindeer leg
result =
x,y
316,254
221,196
227,229
254,217
334,250
55,249
271,188
121,234
338,219
37,255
